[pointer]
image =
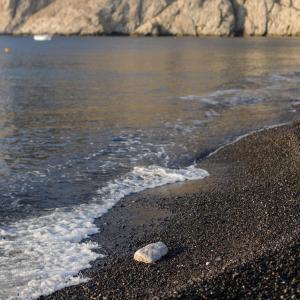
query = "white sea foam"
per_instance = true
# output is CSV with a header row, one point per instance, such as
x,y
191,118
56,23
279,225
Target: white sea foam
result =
x,y
229,97
211,113
267,89
41,255
206,100
296,103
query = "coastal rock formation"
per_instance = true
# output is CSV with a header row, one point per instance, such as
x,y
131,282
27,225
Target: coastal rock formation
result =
x,y
191,17
151,17
151,253
267,17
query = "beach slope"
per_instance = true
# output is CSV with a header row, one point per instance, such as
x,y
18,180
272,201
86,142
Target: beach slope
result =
x,y
234,234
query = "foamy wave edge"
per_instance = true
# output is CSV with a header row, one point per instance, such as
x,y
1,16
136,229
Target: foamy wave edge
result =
x,y
42,255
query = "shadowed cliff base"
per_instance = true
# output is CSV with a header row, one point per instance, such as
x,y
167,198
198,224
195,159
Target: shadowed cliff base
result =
x,y
234,234
150,18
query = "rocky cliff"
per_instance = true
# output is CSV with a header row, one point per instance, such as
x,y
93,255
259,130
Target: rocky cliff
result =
x,y
151,17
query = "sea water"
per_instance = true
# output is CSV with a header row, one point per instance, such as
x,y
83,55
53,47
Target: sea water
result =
x,y
85,122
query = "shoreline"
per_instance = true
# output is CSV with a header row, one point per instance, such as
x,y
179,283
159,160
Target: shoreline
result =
x,y
220,230
120,35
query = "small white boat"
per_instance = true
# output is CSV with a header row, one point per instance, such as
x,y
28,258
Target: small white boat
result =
x,y
42,37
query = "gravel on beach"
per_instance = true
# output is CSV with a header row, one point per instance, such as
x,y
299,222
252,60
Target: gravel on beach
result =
x,y
234,234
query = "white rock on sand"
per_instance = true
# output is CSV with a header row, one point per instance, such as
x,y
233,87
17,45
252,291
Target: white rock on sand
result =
x,y
151,253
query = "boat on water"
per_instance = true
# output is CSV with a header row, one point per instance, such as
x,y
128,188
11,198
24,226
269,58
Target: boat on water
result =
x,y
42,37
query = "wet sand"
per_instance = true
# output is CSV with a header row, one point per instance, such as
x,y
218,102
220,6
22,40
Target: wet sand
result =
x,y
234,234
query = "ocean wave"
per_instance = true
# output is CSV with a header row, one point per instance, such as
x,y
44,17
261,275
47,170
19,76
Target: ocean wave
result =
x,y
252,90
228,97
44,254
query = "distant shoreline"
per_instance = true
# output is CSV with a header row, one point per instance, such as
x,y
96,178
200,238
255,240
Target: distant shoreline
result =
x,y
174,37
159,36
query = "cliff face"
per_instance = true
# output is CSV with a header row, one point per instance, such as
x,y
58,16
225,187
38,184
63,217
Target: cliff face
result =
x,y
267,17
151,17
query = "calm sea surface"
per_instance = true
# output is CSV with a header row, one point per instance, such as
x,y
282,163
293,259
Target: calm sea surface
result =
x,y
87,121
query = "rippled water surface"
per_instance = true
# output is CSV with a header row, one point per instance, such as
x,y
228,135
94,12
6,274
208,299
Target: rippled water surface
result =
x,y
86,121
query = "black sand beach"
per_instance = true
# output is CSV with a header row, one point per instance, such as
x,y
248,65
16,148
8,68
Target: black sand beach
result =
x,y
232,235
